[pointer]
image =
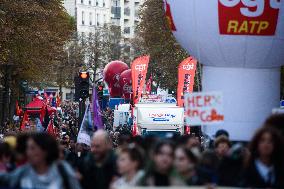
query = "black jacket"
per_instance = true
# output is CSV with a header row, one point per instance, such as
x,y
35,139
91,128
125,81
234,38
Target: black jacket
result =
x,y
97,177
252,178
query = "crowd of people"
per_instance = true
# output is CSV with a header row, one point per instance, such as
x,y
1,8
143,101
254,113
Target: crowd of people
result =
x,y
42,161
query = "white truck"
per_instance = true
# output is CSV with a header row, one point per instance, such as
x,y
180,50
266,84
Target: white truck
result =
x,y
158,119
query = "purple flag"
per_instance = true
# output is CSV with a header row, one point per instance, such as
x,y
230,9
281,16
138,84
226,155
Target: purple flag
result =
x,y
97,111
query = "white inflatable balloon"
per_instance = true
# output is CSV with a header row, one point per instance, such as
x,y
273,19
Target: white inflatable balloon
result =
x,y
241,45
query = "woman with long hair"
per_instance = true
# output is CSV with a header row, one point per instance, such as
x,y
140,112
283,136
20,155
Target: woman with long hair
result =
x,y
266,162
130,166
185,164
43,170
160,172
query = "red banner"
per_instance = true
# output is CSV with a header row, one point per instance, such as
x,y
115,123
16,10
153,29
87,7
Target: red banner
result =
x,y
248,17
186,74
139,69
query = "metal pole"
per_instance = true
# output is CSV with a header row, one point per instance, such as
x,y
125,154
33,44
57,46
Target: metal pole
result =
x,y
81,110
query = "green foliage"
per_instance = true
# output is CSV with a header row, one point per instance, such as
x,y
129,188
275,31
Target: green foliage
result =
x,y
155,38
32,36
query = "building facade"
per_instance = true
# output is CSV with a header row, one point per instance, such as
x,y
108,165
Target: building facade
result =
x,y
89,14
125,13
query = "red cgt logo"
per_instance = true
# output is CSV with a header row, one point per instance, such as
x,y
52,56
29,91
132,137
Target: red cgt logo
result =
x,y
248,17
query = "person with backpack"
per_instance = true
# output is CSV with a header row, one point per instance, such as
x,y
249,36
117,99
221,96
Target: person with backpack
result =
x,y
43,169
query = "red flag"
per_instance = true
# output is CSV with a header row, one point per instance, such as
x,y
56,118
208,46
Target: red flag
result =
x,y
23,124
149,85
139,69
50,128
169,17
58,101
186,74
17,108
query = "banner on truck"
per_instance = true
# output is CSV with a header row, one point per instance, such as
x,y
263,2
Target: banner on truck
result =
x,y
149,98
204,108
163,116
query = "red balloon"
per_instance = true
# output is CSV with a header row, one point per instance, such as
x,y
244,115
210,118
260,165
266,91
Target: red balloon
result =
x,y
125,82
112,73
115,92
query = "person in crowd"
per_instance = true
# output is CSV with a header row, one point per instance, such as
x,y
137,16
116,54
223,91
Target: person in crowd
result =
x,y
43,170
160,172
99,166
72,145
123,141
74,158
219,133
192,142
130,164
5,157
63,150
21,147
276,121
231,167
222,146
222,132
265,166
185,164
207,170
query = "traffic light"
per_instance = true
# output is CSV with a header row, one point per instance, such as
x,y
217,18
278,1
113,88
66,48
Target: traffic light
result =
x,y
100,90
82,86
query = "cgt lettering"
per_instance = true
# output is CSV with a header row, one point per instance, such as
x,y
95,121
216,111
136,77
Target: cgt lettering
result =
x,y
252,8
248,17
247,27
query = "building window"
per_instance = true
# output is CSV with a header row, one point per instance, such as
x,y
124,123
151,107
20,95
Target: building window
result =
x,y
97,3
91,19
83,18
127,30
90,2
104,19
98,19
82,1
127,11
104,3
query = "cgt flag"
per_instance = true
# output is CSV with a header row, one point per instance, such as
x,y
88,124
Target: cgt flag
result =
x,y
139,69
186,74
